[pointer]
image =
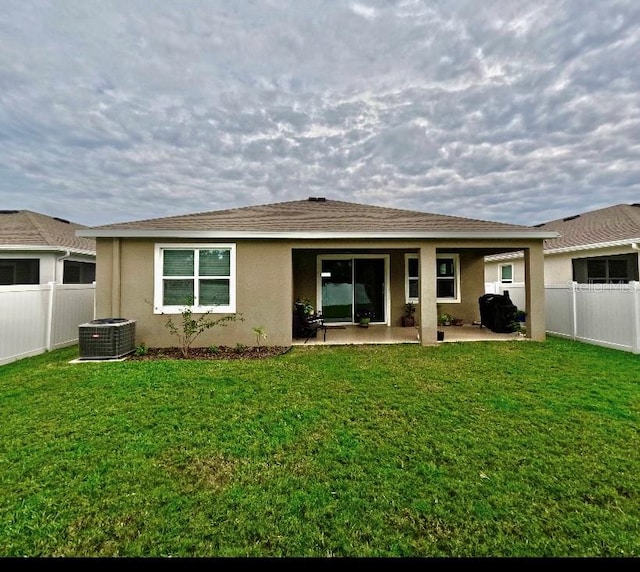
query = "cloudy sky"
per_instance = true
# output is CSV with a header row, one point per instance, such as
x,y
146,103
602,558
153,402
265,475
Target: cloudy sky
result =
x,y
512,111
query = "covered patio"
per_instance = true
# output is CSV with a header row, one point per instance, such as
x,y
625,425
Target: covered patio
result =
x,y
381,334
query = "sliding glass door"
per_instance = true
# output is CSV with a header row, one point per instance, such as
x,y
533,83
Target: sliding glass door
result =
x,y
350,284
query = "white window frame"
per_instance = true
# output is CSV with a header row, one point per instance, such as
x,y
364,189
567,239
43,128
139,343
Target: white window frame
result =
x,y
158,280
348,256
408,279
456,277
502,280
456,274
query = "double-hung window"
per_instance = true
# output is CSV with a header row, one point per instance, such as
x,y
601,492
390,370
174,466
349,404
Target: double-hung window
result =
x,y
412,283
200,277
447,278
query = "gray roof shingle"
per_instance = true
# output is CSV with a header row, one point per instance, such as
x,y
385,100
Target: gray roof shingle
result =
x,y
615,223
28,228
322,216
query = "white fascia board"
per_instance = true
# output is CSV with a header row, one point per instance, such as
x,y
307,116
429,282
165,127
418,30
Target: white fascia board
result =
x,y
34,248
206,234
595,246
577,248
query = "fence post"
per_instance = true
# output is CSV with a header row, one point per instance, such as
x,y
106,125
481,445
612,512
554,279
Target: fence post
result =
x,y
635,292
574,311
49,321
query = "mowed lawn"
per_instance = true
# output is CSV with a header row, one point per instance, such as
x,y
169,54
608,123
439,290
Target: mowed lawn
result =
x,y
502,449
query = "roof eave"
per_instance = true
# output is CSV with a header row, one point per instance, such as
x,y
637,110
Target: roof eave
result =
x,y
593,246
576,248
46,248
314,235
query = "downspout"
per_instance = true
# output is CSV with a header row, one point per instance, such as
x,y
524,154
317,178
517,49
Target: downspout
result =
x,y
59,277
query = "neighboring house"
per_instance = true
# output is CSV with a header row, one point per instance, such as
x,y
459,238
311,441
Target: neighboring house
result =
x,y
38,249
596,247
345,257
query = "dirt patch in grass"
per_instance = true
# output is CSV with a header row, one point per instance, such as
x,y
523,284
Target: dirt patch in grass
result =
x,y
219,352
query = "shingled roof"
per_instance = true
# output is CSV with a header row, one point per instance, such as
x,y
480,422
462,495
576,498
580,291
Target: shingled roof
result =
x,y
614,224
23,228
316,216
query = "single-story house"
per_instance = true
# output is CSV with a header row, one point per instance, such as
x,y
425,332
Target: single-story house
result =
x,y
596,247
38,249
344,257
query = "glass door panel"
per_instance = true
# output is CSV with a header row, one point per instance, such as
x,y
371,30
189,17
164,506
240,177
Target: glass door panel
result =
x,y
369,287
337,290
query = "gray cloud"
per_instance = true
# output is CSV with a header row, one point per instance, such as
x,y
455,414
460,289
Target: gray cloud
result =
x,y
505,110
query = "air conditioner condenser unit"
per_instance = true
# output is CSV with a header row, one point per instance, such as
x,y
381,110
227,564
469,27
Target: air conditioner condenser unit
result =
x,y
107,338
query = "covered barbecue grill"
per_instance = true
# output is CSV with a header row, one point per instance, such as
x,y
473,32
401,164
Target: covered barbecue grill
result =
x,y
498,312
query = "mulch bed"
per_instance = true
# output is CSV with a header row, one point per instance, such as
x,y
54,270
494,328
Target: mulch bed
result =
x,y
221,352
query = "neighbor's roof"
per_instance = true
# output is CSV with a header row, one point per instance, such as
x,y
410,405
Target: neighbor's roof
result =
x,y
608,226
27,230
316,218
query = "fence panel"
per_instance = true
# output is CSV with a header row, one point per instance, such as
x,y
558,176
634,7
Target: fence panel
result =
x,y
601,314
558,301
23,311
604,314
73,304
37,318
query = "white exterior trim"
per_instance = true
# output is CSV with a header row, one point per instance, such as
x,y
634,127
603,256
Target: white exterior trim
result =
x,y
626,242
158,307
36,248
595,246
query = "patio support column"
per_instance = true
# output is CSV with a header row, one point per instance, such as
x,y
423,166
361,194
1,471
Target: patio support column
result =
x,y
534,288
428,308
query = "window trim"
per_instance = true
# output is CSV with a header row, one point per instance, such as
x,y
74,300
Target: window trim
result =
x,y
456,276
158,278
502,280
407,279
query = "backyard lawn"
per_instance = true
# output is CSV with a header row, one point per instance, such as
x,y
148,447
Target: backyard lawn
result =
x,y
501,449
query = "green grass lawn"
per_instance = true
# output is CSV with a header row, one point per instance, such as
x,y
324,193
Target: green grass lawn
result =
x,y
503,449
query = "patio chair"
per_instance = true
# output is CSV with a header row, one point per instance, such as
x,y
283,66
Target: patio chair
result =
x,y
305,326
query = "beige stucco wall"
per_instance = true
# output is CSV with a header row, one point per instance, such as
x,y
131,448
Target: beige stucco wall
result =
x,y
263,294
266,288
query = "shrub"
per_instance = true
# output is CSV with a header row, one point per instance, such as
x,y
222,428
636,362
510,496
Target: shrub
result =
x,y
192,327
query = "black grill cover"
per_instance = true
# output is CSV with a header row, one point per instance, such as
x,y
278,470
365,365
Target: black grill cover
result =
x,y
498,313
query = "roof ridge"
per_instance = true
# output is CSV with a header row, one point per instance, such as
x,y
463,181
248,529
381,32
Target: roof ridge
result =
x,y
311,203
31,216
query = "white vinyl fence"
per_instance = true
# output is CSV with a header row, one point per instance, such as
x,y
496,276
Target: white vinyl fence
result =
x,y
38,318
601,314
516,292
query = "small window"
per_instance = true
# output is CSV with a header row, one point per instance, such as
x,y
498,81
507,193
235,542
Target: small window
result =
x,y
506,273
78,272
447,278
19,271
412,278
201,278
614,269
